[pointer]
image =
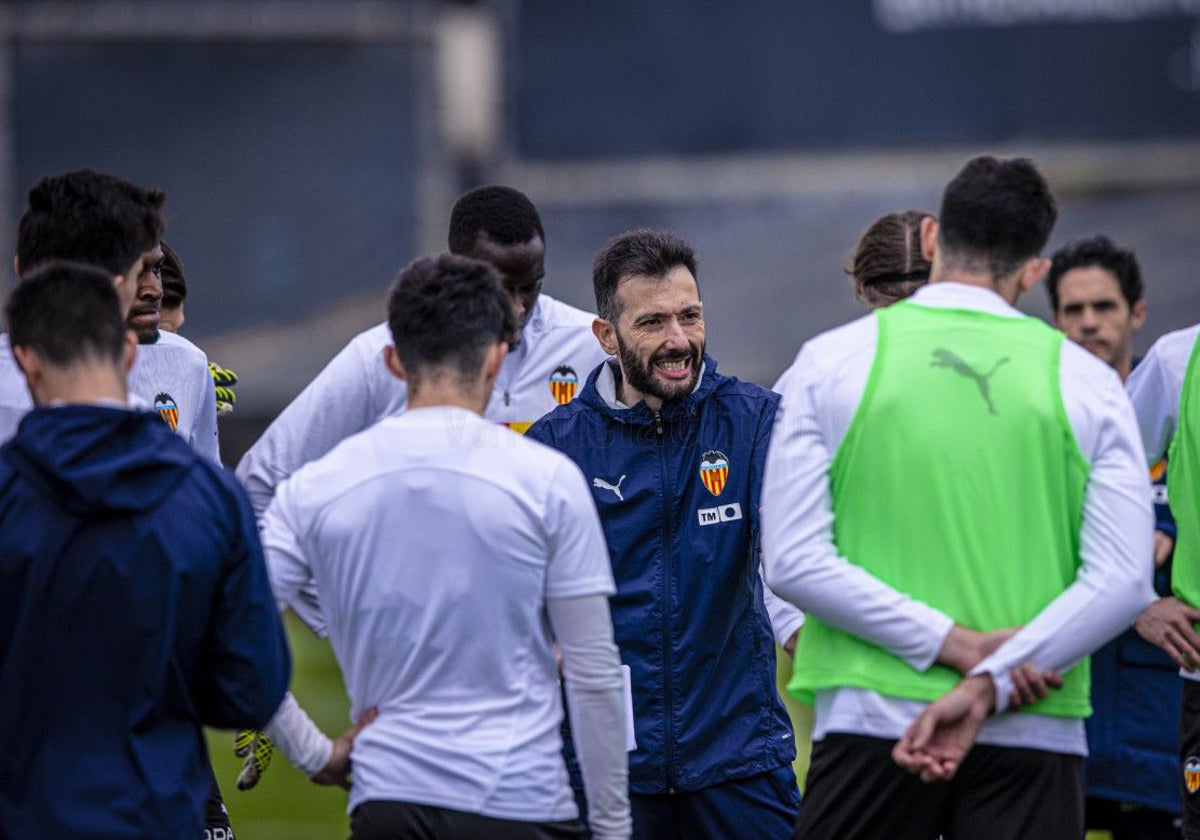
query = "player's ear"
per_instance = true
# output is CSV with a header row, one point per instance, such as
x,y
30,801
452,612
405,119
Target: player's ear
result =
x,y
1137,315
495,358
1035,269
30,364
929,235
392,359
131,350
606,334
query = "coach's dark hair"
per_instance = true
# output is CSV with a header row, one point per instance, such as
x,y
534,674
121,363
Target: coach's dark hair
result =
x,y
88,217
174,283
887,260
67,312
506,215
444,312
641,252
995,215
1101,252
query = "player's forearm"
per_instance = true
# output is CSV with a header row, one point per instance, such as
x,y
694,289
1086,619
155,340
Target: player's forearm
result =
x,y
786,619
846,596
595,702
1112,588
298,738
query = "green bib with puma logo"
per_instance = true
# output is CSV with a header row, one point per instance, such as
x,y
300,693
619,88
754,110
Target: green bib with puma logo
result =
x,y
1183,486
960,483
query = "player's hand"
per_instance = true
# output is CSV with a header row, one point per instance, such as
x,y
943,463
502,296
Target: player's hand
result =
x,y
790,645
1031,685
223,381
256,749
937,742
337,770
1164,544
1168,623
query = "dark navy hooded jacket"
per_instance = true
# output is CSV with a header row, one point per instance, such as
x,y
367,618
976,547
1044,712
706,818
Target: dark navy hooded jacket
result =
x,y
134,608
682,531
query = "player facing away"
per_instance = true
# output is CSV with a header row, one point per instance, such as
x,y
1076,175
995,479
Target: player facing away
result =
x,y
941,468
134,602
552,349
451,554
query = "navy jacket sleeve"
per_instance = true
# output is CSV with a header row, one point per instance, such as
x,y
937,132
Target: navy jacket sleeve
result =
x,y
762,440
245,666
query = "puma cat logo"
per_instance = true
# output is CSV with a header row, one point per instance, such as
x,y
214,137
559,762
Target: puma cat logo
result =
x,y
946,359
604,485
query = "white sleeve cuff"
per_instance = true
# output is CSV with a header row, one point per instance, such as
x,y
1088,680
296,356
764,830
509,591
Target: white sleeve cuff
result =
x,y
1001,681
298,738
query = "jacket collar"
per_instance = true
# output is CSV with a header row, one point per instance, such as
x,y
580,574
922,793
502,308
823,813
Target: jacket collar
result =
x,y
599,393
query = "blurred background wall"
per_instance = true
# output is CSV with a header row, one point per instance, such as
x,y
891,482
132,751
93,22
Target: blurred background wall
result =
x,y
310,148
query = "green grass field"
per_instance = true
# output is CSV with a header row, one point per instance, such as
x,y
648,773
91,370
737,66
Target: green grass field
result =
x,y
285,805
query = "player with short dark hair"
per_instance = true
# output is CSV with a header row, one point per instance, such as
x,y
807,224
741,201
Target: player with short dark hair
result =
x,y
498,225
87,217
134,603
943,468
674,451
445,617
1095,290
90,217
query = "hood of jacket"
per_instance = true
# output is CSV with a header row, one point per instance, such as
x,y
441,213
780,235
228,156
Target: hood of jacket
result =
x,y
98,459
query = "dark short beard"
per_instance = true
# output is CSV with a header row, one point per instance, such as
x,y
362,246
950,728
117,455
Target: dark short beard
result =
x,y
640,376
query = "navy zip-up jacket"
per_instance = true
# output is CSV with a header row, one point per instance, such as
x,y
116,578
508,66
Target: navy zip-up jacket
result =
x,y
134,608
678,495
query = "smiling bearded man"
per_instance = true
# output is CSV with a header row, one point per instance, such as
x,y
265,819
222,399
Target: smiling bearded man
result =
x,y
674,454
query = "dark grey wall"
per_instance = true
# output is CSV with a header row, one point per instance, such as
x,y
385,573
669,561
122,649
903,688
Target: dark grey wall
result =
x,y
624,77
290,167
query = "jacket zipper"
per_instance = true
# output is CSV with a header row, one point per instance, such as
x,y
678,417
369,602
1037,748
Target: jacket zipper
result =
x,y
668,743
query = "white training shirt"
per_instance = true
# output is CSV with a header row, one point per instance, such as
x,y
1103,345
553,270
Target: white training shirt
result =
x,y
1155,387
355,391
15,401
172,377
170,372
821,392
436,539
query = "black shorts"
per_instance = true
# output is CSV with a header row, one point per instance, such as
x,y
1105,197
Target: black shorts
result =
x,y
216,818
1189,758
386,820
855,789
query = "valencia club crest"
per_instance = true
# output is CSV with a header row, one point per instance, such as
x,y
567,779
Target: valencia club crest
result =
x,y
563,383
714,471
167,409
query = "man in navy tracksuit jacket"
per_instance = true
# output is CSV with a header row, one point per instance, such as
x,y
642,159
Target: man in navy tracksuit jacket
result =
x,y
674,453
134,601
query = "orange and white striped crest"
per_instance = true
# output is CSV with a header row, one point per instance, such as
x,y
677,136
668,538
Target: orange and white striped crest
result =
x,y
167,409
1191,774
563,384
714,471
